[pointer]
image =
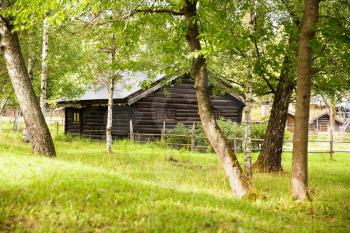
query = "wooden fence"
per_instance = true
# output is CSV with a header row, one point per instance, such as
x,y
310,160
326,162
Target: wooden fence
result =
x,y
315,146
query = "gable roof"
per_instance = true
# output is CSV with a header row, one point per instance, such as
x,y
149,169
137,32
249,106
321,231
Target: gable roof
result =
x,y
128,84
325,113
318,114
128,89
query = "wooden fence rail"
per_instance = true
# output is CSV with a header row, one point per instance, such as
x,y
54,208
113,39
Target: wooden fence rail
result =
x,y
237,143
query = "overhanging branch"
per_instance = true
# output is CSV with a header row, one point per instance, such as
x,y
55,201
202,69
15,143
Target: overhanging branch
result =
x,y
156,11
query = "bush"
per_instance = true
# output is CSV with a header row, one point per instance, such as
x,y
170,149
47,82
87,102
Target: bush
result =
x,y
179,135
182,134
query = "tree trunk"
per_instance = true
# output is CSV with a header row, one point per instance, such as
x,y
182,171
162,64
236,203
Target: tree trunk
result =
x,y
30,68
109,139
44,67
3,104
31,63
17,115
270,156
303,91
39,133
239,183
247,129
332,113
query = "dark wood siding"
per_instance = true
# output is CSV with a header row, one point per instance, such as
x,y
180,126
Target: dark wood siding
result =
x,y
178,100
93,121
71,126
322,124
181,98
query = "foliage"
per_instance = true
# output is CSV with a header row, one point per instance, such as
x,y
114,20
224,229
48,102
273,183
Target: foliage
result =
x,y
64,137
181,134
152,189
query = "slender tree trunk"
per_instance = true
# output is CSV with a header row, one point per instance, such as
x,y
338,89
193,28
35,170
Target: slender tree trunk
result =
x,y
44,67
3,104
239,183
247,129
332,113
30,68
270,156
109,125
31,63
15,126
303,91
249,101
39,133
109,139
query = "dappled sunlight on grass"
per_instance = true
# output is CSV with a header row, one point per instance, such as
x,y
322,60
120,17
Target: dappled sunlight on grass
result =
x,y
149,188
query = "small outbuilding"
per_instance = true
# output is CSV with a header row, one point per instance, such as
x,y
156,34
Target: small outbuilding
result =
x,y
318,122
163,103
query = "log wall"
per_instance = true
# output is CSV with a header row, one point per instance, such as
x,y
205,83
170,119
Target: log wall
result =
x,y
145,113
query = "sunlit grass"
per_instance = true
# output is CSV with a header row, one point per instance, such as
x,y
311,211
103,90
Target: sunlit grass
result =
x,y
149,188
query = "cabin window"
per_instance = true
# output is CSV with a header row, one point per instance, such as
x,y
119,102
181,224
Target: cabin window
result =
x,y
165,114
170,114
76,117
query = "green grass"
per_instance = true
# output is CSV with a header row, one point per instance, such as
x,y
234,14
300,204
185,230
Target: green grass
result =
x,y
140,189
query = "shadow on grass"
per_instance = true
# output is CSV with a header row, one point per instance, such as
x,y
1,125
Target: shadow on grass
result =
x,y
60,196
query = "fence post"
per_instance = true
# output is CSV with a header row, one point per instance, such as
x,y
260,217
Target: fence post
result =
x,y
163,132
193,131
131,131
331,147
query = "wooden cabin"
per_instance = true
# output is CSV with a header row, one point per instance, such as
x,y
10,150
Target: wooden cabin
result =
x,y
319,121
166,102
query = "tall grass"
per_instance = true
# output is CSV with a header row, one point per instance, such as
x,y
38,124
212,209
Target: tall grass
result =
x,y
150,188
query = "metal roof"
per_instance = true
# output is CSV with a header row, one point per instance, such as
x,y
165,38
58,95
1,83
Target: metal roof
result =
x,y
128,84
129,88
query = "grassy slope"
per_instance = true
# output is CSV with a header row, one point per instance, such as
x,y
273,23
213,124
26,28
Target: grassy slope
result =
x,y
138,189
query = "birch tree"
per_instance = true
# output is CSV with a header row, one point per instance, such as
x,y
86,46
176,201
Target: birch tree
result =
x,y
44,66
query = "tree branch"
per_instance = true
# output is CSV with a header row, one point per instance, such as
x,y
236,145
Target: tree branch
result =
x,y
263,75
156,11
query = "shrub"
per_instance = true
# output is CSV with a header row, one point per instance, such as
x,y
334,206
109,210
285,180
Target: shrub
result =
x,y
182,134
179,135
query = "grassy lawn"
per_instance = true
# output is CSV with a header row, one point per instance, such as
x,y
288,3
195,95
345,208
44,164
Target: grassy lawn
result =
x,y
148,188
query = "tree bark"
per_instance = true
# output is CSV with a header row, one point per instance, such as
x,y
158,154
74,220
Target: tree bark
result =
x,y
247,128
303,91
270,156
3,104
239,183
44,67
17,115
332,113
249,101
39,133
109,139
30,68
31,64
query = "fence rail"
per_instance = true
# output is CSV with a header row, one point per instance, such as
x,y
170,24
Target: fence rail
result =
x,y
196,142
315,146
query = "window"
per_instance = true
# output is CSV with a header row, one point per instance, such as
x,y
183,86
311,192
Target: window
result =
x,y
170,114
76,117
165,114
